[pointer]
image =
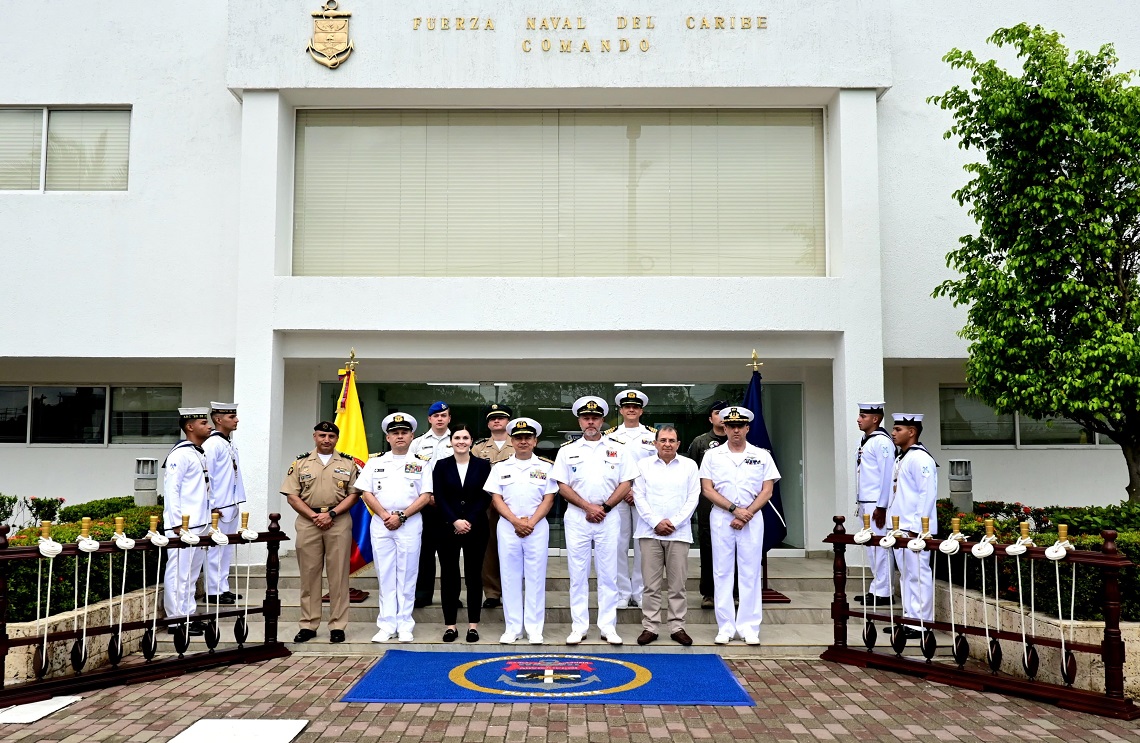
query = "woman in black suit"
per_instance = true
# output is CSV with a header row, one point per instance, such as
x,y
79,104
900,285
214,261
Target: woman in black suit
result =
x,y
458,483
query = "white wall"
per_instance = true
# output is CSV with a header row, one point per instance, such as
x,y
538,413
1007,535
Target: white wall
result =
x,y
1036,476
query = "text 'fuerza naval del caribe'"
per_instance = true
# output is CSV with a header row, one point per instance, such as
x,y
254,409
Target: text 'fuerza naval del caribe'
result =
x,y
564,34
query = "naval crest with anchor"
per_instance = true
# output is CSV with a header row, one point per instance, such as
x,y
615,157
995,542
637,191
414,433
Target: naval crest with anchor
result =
x,y
330,44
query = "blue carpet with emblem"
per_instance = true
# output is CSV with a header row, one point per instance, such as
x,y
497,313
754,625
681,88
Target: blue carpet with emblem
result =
x,y
583,678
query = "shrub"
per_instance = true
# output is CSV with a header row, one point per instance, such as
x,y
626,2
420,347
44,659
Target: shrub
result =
x,y
7,507
44,509
97,509
22,575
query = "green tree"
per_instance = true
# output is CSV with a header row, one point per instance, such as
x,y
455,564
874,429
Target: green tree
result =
x,y
1050,278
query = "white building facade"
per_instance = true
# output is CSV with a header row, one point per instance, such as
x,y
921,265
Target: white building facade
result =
x,y
471,211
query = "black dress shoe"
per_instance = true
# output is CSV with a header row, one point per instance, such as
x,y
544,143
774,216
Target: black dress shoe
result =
x,y
450,634
232,596
304,635
197,628
492,603
336,635
861,598
472,635
873,600
911,633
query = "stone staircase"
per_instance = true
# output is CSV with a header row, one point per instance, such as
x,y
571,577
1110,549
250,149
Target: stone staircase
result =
x,y
801,628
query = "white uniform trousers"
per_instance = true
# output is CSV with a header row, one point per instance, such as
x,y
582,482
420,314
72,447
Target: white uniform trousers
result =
x,y
600,540
917,583
743,549
880,560
396,558
522,560
219,559
629,583
183,566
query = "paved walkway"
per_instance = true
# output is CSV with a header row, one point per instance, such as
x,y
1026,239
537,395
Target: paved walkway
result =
x,y
797,701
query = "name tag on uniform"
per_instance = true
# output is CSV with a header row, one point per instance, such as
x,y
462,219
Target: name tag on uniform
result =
x,y
611,452
648,442
505,477
304,476
411,468
340,471
752,460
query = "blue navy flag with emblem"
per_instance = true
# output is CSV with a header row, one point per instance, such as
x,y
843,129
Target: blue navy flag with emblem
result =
x,y
774,527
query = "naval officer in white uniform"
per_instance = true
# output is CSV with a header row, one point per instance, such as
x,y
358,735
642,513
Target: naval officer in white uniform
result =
x,y
638,441
874,469
594,475
227,493
186,491
522,491
738,478
914,495
394,486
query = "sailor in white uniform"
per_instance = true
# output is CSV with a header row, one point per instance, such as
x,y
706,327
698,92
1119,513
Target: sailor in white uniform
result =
x,y
874,470
914,494
638,441
593,475
186,491
738,478
227,493
393,486
522,491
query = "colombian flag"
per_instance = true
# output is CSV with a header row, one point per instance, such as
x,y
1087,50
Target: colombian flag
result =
x,y
354,443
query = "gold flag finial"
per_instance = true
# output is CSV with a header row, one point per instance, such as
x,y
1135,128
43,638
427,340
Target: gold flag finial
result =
x,y
352,362
756,363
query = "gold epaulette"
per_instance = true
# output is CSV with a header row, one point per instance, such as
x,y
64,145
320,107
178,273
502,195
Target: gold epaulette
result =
x,y
480,441
377,454
651,429
611,429
548,461
565,443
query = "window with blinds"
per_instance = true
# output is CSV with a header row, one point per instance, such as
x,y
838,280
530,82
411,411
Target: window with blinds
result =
x,y
21,147
559,193
86,150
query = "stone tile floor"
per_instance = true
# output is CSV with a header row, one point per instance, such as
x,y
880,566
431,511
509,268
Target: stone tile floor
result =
x,y
799,701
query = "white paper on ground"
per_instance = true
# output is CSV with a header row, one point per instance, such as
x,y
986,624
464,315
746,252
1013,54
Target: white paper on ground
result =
x,y
34,711
241,731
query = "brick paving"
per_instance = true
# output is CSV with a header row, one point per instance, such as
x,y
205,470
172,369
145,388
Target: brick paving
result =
x,y
797,701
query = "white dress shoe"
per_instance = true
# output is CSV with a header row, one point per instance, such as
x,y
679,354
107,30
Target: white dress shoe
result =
x,y
575,637
722,638
405,637
610,635
381,636
752,639
507,638
535,639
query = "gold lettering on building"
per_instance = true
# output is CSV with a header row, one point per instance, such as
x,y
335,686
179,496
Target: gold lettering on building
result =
x,y
526,45
725,23
585,47
469,23
605,45
564,45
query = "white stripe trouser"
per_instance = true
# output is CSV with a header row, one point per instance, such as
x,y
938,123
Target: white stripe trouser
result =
x,y
219,559
917,583
396,557
183,566
743,549
880,560
629,583
584,539
522,560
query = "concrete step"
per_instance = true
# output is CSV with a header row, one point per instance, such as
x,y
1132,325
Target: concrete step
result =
x,y
806,607
776,641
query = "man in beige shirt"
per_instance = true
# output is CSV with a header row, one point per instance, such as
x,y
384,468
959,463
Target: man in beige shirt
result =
x,y
318,486
496,449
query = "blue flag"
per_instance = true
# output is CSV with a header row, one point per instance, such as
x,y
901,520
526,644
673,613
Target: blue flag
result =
x,y
774,527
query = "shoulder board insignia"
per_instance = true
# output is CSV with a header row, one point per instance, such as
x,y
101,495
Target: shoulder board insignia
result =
x,y
376,454
346,456
616,440
611,429
548,461
651,429
423,457
302,456
480,441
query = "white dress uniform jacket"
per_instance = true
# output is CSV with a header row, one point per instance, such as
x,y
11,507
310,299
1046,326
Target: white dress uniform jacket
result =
x,y
523,484
874,470
639,442
594,470
914,495
739,477
431,448
227,493
397,482
185,490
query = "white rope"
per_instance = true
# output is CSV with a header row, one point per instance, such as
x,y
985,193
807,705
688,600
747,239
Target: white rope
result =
x,y
157,583
123,597
1073,603
949,590
997,594
1060,612
1032,600
86,597
47,612
985,606
39,580
75,598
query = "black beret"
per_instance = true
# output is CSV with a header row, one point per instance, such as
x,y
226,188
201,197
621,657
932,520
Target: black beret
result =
x,y
327,427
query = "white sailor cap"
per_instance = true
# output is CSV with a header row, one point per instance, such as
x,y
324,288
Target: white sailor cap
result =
x,y
631,397
908,419
189,414
734,415
872,407
591,405
398,422
223,407
522,426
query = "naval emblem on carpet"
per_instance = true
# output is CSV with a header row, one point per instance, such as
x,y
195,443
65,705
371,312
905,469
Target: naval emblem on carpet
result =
x,y
407,676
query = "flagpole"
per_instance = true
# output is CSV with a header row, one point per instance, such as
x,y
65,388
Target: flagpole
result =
x,y
768,594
